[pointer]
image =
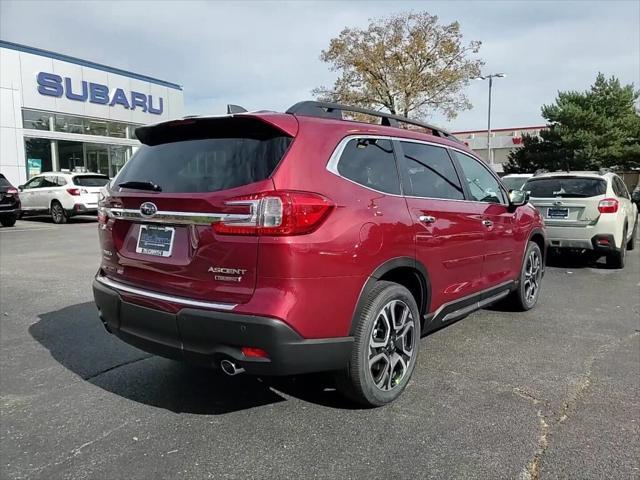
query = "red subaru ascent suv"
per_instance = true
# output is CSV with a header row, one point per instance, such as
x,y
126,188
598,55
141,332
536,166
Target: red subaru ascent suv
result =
x,y
285,243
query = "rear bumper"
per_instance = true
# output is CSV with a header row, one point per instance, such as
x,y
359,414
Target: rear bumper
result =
x,y
206,337
83,209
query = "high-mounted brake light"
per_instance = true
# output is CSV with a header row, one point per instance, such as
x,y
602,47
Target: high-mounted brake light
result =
x,y
277,213
608,205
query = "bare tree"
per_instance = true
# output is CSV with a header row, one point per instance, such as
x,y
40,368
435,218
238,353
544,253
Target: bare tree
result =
x,y
408,64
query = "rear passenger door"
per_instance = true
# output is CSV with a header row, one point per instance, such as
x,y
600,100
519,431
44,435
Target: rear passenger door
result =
x,y
502,252
448,230
48,190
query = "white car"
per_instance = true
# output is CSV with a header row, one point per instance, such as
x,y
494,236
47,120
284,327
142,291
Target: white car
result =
x,y
62,194
515,181
586,210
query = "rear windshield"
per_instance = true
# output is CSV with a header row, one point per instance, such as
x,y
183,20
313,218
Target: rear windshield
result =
x,y
4,182
576,187
206,156
514,183
91,180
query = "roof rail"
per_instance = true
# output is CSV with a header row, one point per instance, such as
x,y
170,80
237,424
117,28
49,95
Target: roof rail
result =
x,y
335,110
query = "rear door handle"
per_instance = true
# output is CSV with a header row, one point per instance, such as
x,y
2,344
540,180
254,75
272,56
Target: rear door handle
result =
x,y
487,223
426,218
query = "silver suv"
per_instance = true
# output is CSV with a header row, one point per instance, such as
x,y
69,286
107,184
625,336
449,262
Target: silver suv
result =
x,y
586,210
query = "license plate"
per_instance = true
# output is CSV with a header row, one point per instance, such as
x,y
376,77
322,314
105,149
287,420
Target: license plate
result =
x,y
155,240
557,213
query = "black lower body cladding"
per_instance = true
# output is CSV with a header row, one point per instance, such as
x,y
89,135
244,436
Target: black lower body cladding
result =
x,y
206,337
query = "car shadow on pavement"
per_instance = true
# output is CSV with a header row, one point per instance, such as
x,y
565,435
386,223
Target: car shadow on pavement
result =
x,y
48,219
569,259
77,340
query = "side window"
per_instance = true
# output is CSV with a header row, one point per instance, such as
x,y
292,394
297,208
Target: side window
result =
x,y
483,186
370,162
60,181
620,188
430,172
49,182
616,187
35,182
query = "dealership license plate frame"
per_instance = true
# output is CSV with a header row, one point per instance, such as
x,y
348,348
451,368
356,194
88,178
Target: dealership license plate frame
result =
x,y
163,248
558,213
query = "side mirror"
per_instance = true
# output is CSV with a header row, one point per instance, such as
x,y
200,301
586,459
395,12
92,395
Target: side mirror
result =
x,y
518,198
20,187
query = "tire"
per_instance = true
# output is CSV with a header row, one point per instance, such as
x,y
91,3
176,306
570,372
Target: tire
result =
x,y
616,259
631,244
525,296
58,214
375,384
8,221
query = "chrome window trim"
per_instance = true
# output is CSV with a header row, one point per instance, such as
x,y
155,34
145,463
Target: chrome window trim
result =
x,y
159,296
182,218
332,166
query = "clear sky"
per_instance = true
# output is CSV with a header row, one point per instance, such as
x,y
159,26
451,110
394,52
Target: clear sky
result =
x,y
265,55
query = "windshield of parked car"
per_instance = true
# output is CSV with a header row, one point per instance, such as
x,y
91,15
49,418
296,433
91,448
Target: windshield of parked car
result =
x,y
91,180
514,183
576,187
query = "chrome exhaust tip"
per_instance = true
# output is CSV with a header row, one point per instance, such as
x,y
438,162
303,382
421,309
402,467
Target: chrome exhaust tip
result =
x,y
230,368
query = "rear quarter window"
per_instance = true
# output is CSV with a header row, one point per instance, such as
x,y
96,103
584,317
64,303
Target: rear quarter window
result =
x,y
568,187
370,162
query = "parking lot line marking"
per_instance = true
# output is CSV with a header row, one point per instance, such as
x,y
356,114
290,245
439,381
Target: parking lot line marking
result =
x,y
27,229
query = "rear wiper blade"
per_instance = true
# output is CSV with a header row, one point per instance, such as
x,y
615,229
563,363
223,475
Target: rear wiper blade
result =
x,y
141,185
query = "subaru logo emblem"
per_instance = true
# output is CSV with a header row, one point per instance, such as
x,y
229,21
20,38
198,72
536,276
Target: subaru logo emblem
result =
x,y
148,209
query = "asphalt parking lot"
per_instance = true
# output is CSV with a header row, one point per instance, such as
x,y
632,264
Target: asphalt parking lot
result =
x,y
551,393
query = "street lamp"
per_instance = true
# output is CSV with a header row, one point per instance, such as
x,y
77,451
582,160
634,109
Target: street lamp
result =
x,y
490,77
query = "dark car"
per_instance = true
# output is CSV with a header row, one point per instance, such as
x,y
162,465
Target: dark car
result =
x,y
9,203
635,196
285,243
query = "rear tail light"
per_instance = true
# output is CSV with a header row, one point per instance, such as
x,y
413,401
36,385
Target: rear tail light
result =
x,y
276,213
608,205
77,191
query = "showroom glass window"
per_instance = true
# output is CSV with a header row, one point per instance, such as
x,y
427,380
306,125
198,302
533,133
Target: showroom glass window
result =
x,y
70,155
483,186
96,127
35,120
38,156
117,130
69,124
430,172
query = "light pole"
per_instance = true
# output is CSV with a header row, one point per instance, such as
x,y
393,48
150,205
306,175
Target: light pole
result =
x,y
490,77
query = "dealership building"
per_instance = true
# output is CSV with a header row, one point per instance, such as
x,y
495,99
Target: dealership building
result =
x,y
503,142
63,113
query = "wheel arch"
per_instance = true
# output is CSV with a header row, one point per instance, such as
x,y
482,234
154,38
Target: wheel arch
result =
x,y
405,271
537,236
